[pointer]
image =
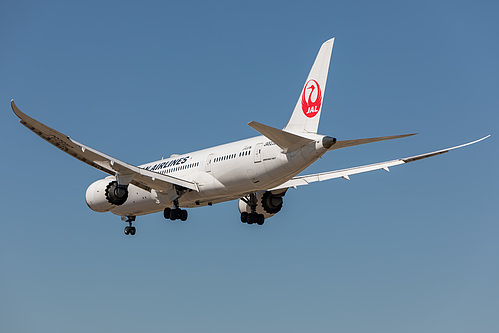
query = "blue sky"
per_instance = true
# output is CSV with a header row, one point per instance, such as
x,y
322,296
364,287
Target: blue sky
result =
x,y
411,250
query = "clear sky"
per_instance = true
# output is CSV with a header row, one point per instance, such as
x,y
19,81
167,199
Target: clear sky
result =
x,y
413,250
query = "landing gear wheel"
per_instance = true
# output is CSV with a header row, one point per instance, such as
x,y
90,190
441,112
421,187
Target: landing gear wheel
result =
x,y
129,229
252,218
183,215
244,217
166,213
174,214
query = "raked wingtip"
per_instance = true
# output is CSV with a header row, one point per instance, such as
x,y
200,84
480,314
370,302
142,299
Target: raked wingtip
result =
x,y
485,137
13,106
16,110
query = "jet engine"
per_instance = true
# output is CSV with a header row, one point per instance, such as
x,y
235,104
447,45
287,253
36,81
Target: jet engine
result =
x,y
105,194
267,203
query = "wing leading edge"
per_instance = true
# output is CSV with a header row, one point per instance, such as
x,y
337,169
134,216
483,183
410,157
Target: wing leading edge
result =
x,y
140,177
345,173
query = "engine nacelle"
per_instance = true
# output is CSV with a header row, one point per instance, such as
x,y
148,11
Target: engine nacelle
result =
x,y
105,194
268,204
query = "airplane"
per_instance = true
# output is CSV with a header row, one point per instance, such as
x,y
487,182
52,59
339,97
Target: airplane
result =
x,y
257,171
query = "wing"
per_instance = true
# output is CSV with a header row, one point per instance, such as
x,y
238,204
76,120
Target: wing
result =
x,y
140,177
345,173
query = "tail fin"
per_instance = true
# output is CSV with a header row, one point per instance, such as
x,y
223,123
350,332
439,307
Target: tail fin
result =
x,y
307,112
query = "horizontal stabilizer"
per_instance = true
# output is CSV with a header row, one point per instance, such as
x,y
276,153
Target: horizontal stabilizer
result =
x,y
350,143
287,141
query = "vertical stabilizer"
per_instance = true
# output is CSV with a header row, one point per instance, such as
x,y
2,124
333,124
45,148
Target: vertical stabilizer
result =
x,y
307,112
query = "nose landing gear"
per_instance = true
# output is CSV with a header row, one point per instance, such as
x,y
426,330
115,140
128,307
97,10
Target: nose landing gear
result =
x,y
130,229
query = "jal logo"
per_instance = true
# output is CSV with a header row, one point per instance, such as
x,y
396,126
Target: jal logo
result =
x,y
311,99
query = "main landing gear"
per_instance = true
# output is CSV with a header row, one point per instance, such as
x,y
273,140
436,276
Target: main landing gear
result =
x,y
252,217
176,213
129,230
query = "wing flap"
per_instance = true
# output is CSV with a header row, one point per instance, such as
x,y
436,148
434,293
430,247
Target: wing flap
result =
x,y
143,178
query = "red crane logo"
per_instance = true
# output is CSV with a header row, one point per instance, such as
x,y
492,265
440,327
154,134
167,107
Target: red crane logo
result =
x,y
311,99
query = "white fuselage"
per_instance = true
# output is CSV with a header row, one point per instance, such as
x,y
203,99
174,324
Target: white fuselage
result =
x,y
224,173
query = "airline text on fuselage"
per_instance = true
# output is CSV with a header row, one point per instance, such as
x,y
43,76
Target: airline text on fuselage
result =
x,y
167,164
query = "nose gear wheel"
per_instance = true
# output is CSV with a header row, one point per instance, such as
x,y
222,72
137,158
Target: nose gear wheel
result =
x,y
129,229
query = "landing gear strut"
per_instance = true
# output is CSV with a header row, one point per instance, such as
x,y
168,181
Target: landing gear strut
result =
x,y
130,229
176,213
252,217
